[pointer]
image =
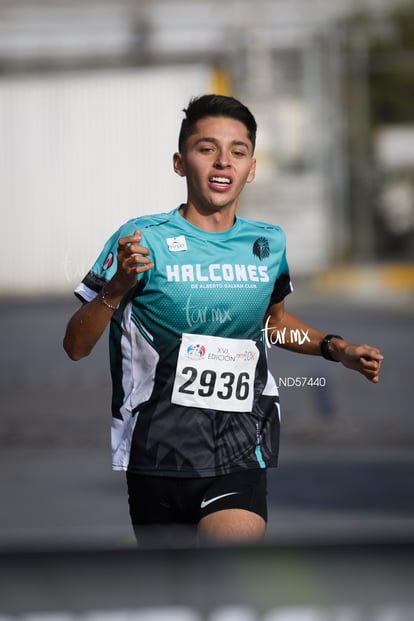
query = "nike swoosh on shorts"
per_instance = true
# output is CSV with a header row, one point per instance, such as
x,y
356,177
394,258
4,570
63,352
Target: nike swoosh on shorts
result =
x,y
205,503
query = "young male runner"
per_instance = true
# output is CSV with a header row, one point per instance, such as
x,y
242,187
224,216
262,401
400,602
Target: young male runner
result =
x,y
192,297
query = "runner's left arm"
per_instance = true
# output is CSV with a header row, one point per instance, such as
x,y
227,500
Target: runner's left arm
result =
x,y
289,332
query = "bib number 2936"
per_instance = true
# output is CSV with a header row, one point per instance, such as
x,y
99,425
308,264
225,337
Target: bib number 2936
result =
x,y
215,373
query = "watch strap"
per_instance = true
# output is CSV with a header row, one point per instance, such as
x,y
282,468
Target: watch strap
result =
x,y
325,346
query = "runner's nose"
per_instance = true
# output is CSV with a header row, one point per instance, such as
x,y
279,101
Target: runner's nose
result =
x,y
222,160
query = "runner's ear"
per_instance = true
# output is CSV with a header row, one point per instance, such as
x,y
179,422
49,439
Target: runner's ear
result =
x,y
178,164
252,172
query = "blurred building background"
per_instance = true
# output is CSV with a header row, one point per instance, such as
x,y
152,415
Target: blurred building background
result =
x,y
91,94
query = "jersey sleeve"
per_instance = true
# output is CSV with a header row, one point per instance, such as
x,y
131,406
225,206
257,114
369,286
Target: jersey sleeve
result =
x,y
105,265
283,285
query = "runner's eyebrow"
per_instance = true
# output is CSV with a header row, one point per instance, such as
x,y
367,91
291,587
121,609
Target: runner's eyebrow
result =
x,y
236,143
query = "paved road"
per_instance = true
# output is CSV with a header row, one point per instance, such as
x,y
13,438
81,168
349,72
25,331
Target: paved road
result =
x,y
347,461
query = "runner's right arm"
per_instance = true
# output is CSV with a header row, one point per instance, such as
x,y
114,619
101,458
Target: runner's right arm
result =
x,y
88,323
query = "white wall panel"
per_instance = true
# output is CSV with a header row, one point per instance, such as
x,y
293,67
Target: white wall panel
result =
x,y
79,155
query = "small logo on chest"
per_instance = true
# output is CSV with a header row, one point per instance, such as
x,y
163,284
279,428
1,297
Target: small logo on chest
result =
x,y
176,244
261,248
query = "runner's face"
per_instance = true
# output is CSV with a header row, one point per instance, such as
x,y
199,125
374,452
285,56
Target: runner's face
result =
x,y
217,162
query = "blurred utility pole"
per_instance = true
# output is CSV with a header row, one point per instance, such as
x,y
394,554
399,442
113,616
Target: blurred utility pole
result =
x,y
324,62
360,156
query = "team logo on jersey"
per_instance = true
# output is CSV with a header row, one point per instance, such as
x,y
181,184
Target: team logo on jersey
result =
x,y
176,244
261,248
196,352
108,261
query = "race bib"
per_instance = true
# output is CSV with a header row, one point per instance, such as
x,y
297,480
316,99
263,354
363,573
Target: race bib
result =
x,y
215,373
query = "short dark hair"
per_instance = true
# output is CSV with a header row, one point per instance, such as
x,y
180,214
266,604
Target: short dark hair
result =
x,y
215,105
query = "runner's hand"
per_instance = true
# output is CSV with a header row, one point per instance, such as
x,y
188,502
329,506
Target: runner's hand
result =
x,y
133,259
362,358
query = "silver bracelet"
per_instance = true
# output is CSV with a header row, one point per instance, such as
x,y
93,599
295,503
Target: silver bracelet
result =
x,y
105,303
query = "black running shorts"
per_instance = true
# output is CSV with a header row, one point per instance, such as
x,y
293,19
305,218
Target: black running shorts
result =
x,y
166,501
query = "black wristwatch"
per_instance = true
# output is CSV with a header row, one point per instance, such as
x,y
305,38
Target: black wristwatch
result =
x,y
325,346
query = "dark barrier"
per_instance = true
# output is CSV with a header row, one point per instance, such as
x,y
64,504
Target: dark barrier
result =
x,y
311,583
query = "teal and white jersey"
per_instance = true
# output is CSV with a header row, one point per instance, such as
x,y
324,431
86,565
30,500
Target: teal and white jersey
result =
x,y
192,394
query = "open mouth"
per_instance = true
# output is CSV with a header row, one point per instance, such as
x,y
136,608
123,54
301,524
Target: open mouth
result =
x,y
220,180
